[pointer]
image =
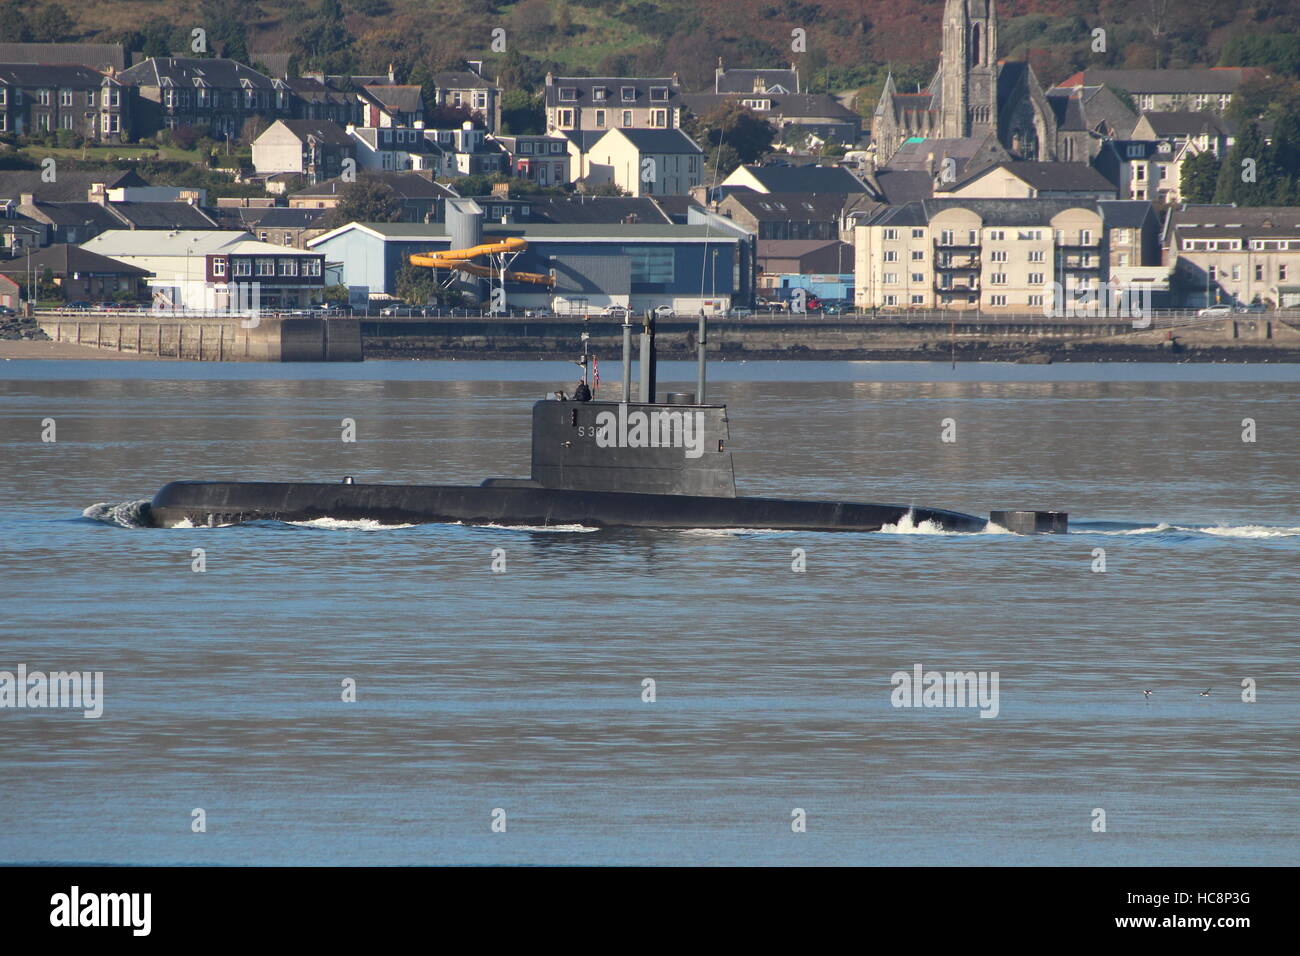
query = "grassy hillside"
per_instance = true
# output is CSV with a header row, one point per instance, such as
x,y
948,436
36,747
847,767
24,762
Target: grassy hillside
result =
x,y
850,42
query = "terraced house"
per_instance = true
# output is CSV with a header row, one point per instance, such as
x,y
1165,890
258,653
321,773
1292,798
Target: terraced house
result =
x,y
37,98
585,103
217,93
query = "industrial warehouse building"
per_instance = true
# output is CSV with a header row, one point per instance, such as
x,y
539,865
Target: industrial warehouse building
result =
x,y
706,264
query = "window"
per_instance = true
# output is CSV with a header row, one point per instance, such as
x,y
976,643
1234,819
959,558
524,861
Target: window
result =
x,y
891,233
265,267
998,255
659,119
918,300
629,94
243,267
1281,272
1085,237
262,236
998,278
997,300
169,98
997,235
1164,171
918,233
1035,278
1236,272
288,238
66,121
600,118
565,119
311,267
1147,101
891,300
1259,272
288,267
918,276
4,95
627,117
1202,100
65,98
1140,173
112,123
891,278
599,94
480,99
891,255
651,264
659,94
44,121
43,97
218,266
113,96
918,255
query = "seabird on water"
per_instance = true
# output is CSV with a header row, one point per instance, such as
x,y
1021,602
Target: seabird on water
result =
x,y
1206,692
1146,694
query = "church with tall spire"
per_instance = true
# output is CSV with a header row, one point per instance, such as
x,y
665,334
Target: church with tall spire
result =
x,y
972,96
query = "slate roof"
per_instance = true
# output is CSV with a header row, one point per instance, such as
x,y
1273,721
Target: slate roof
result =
x,y
161,215
1219,79
1188,123
594,209
785,207
326,131
189,72
68,75
70,186
78,214
396,99
659,140
585,86
460,80
97,56
793,105
1051,176
806,179
62,259
1233,222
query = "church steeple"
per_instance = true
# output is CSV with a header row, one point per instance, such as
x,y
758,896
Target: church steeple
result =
x,y
969,68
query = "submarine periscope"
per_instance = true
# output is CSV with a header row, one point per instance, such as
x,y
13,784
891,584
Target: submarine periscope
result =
x,y
606,464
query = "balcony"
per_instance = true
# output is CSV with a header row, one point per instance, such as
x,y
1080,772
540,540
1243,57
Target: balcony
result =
x,y
1076,264
957,264
957,242
957,289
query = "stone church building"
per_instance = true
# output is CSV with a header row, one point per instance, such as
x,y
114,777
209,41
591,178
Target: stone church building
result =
x,y
972,96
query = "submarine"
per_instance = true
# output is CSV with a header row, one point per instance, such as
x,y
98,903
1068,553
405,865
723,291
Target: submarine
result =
x,y
606,464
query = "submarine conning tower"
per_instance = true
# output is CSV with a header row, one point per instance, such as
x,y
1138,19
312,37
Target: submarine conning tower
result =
x,y
677,446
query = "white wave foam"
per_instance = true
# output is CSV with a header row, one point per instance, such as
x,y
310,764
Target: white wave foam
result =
x,y
341,524
128,514
1155,529
1247,531
565,528
909,525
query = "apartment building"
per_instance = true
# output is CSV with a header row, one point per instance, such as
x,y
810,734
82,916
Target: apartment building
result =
x,y
217,93
996,255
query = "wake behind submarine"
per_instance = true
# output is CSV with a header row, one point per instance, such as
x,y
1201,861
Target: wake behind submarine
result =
x,y
605,464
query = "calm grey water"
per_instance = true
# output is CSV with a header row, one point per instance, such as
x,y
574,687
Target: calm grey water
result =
x,y
522,690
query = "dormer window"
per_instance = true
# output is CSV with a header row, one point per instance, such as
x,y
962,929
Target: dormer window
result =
x,y
568,94
629,94
599,93
659,94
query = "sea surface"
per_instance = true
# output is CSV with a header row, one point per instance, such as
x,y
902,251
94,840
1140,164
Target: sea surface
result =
x,y
519,695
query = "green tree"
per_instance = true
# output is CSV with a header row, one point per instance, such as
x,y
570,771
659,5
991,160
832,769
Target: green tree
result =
x,y
336,293
366,200
417,285
14,25
1200,176
1246,178
52,24
521,113
722,159
737,126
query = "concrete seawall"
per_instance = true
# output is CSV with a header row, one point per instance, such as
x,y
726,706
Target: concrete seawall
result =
x,y
1247,338
212,338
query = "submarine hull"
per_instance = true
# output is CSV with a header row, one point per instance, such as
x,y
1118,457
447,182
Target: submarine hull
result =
x,y
521,503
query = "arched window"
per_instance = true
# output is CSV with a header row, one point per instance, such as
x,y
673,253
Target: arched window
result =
x,y
976,53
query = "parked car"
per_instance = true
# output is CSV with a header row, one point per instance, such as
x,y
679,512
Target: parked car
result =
x,y
665,312
742,313
616,311
1215,310
542,313
1252,309
5,310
